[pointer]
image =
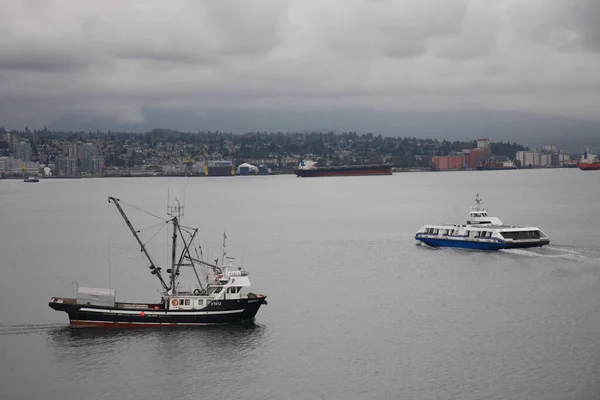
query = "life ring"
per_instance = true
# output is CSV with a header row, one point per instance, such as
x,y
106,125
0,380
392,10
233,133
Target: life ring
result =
x,y
174,302
196,292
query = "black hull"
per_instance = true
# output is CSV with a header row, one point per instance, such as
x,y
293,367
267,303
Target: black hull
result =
x,y
349,170
228,312
489,168
220,171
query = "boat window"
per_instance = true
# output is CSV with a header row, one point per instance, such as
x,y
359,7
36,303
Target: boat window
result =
x,y
521,235
200,302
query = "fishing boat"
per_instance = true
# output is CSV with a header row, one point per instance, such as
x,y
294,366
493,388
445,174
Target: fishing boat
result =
x,y
482,232
589,161
309,168
217,298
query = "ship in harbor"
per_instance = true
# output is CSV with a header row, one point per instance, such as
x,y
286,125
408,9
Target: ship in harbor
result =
x,y
309,168
588,161
482,232
217,296
496,164
219,168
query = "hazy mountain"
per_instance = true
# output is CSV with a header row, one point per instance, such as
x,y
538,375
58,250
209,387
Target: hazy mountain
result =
x,y
532,130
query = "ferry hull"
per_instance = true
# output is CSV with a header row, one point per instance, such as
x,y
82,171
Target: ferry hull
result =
x,y
229,312
344,171
481,245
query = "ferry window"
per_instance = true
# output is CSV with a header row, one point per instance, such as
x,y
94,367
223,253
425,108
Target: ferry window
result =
x,y
187,302
200,302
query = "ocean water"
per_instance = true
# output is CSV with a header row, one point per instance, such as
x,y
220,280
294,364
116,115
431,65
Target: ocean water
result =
x,y
356,308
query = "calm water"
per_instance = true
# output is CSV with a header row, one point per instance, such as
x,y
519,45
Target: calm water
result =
x,y
356,309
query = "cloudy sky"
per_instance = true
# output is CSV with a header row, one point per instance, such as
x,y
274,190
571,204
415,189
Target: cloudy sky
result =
x,y
115,60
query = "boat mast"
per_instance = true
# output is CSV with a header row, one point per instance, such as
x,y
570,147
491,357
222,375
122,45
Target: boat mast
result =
x,y
154,270
173,255
176,211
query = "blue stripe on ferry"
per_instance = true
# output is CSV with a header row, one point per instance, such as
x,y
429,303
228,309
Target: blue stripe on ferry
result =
x,y
462,244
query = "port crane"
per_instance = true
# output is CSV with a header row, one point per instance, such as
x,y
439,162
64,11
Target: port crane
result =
x,y
189,161
23,167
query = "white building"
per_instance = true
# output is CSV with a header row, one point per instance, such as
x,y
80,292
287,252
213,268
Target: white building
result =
x,y
528,158
483,143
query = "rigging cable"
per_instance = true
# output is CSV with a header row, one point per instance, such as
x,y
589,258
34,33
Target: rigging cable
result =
x,y
141,210
156,233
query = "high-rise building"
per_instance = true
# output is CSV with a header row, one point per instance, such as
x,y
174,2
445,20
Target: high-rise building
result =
x,y
87,157
23,151
96,165
67,166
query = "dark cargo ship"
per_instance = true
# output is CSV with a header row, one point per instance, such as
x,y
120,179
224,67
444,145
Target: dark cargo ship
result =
x,y
219,168
308,169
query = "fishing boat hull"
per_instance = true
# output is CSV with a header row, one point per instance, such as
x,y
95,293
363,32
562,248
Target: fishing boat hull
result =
x,y
344,171
480,245
223,312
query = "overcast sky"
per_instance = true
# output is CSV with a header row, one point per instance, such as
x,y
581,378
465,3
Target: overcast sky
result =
x,y
113,59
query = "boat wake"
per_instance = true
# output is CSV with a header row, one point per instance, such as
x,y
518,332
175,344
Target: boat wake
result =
x,y
26,329
572,253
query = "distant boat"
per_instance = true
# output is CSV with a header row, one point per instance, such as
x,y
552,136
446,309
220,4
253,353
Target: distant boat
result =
x,y
496,164
482,232
309,168
588,161
218,297
31,179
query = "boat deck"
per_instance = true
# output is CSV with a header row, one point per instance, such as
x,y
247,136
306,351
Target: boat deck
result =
x,y
136,306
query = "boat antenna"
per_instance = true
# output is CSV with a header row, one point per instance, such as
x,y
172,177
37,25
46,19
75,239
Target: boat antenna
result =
x,y
224,247
176,210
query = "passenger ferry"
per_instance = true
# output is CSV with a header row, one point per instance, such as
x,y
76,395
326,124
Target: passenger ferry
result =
x,y
482,232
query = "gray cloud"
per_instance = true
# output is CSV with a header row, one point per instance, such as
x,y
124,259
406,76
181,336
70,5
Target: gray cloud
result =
x,y
101,61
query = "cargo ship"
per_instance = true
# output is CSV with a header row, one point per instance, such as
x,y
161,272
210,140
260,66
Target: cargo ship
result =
x,y
219,168
588,161
308,169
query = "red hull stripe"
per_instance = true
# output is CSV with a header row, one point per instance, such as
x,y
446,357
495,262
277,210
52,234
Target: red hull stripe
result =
x,y
104,324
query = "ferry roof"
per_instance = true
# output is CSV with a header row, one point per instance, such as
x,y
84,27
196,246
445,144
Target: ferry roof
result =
x,y
483,227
